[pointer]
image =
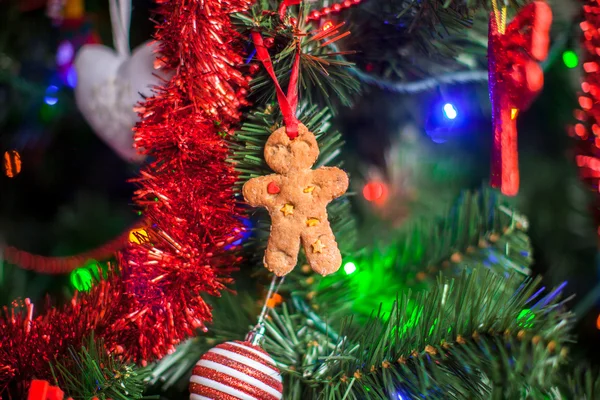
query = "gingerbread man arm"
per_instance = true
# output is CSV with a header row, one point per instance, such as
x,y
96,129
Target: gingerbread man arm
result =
x,y
256,190
332,181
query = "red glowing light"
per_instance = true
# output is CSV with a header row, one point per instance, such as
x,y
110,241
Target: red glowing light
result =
x,y
375,191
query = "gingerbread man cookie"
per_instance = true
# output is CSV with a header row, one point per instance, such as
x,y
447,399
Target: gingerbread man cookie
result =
x,y
296,198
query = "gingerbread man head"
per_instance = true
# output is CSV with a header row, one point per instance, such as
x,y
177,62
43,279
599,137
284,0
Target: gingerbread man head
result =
x,y
284,155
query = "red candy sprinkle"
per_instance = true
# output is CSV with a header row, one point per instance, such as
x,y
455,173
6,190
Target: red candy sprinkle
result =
x,y
272,188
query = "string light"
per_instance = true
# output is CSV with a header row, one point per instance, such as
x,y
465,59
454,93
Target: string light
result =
x,y
349,268
598,322
72,76
242,233
64,53
570,59
374,191
327,25
51,95
12,163
450,111
82,279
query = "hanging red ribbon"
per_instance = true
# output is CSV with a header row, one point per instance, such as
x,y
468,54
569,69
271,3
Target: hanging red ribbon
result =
x,y
289,103
284,5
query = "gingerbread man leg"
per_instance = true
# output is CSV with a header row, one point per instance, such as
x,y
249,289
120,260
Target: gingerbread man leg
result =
x,y
281,255
321,248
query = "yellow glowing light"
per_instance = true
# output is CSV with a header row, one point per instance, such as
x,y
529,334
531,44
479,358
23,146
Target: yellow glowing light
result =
x,y
327,26
74,9
138,236
514,112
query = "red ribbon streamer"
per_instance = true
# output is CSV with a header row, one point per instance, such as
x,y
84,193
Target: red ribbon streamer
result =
x,y
284,5
63,265
289,103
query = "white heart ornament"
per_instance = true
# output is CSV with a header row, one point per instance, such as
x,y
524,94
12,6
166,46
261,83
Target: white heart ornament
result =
x,y
109,86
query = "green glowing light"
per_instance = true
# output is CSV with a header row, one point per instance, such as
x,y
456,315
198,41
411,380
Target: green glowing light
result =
x,y
570,59
525,318
82,279
349,268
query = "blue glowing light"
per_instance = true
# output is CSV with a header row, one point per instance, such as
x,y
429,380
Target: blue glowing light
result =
x,y
51,98
71,76
243,235
449,111
251,56
64,53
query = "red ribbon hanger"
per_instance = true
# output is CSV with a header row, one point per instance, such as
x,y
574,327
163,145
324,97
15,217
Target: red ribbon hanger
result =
x,y
289,103
284,5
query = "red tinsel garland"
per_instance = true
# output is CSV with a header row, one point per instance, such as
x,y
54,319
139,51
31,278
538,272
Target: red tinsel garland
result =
x,y
154,301
588,129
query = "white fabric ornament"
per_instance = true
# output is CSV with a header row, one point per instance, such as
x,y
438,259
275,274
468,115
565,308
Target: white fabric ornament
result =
x,y
111,83
236,370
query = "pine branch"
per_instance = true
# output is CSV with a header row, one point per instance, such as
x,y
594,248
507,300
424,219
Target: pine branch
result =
x,y
323,72
94,372
479,232
409,40
460,340
480,336
582,384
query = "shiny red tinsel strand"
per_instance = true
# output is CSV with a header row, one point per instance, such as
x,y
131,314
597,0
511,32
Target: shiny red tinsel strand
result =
x,y
154,301
587,129
515,80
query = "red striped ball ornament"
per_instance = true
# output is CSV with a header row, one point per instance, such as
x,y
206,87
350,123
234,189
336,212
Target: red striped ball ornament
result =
x,y
236,371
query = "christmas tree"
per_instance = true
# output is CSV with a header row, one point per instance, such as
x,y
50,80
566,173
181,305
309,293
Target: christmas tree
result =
x,y
326,205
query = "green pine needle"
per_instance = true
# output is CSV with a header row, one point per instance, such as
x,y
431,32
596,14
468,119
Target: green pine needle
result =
x,y
94,372
461,340
323,72
479,232
582,384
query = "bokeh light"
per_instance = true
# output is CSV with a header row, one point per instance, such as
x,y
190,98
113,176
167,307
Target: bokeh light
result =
x,y
570,59
450,111
349,268
51,97
375,191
